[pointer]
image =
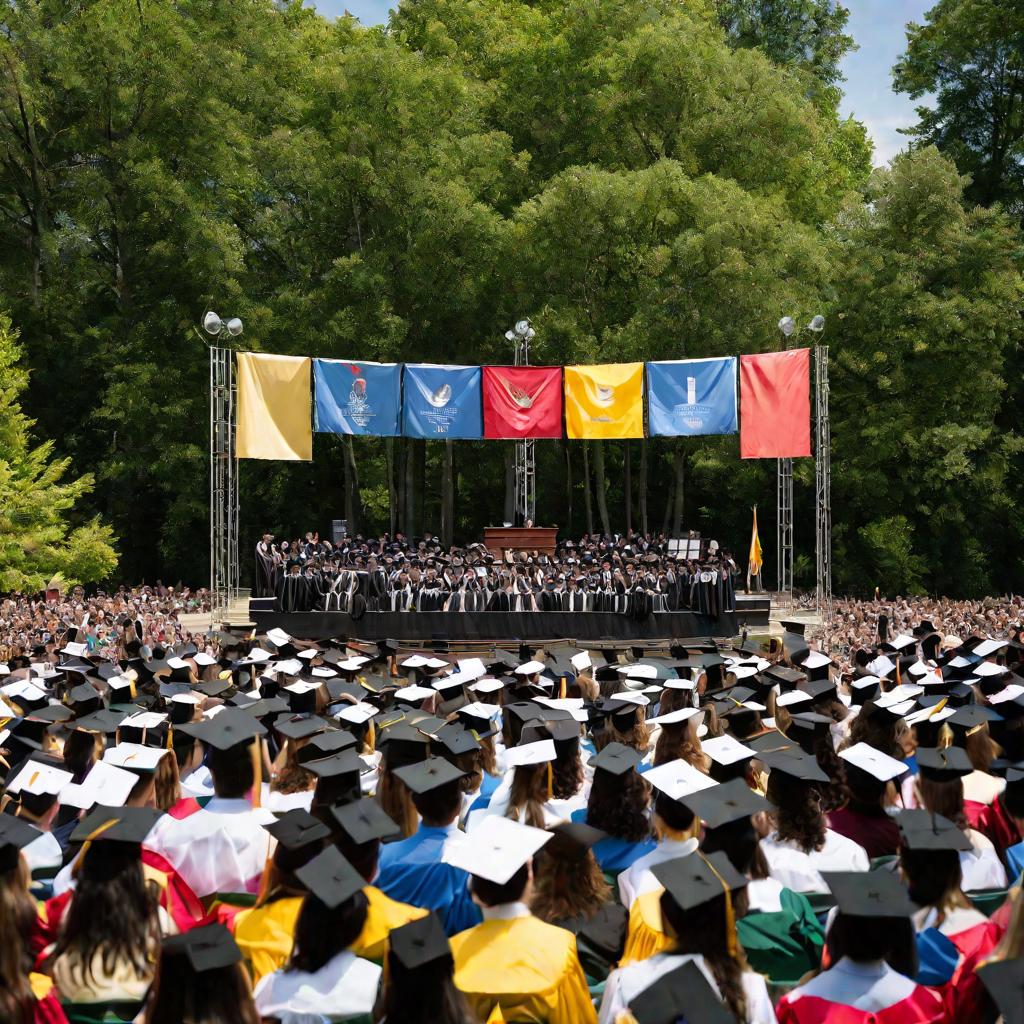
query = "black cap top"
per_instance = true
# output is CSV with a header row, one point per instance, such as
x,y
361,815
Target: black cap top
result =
x,y
943,765
457,740
795,764
692,881
104,721
570,840
1004,980
330,878
364,820
15,835
680,995
617,759
727,802
973,715
297,828
869,893
299,727
341,763
922,830
326,743
419,942
120,824
207,948
230,728
429,774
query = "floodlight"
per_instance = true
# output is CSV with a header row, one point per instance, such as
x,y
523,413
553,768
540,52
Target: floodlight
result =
x,y
817,324
212,323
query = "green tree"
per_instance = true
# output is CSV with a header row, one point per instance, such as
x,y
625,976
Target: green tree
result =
x,y
968,60
38,538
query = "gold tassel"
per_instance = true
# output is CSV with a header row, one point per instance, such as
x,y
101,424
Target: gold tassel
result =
x,y
561,688
551,787
730,914
371,736
170,740
257,772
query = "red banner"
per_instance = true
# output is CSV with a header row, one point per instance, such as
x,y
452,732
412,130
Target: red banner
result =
x,y
522,401
775,405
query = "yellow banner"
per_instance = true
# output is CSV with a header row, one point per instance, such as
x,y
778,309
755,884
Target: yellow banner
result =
x,y
604,401
274,407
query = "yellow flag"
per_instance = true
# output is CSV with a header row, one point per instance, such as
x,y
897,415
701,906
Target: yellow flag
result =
x,y
274,408
604,401
756,558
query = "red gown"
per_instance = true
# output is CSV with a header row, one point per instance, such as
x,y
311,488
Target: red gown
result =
x,y
963,994
921,1007
995,823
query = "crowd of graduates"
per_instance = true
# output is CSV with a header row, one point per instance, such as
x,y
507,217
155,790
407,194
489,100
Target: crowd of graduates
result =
x,y
263,828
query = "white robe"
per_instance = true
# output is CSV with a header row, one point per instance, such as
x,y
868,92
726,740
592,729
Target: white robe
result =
x,y
344,987
637,878
801,871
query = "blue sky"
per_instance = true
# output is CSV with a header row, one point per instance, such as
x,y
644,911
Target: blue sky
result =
x,y
877,25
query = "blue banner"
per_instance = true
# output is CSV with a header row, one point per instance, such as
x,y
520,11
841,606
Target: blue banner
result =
x,y
357,398
687,397
442,401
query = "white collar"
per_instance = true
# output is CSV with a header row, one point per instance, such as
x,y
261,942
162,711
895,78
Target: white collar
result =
x,y
505,912
228,805
874,969
680,847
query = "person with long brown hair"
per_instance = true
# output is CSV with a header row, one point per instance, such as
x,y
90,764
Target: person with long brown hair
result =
x,y
697,911
25,998
678,738
570,890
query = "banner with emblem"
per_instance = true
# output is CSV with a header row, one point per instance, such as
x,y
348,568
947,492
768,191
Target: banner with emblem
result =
x,y
357,397
604,401
441,402
522,401
687,397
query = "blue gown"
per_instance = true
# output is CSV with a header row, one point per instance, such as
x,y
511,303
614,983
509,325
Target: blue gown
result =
x,y
1014,862
615,855
411,871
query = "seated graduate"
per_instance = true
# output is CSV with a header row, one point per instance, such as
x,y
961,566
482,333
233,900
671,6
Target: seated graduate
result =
x,y
800,845
512,961
413,870
200,979
223,847
1002,974
776,927
482,721
359,828
265,932
939,788
952,937
420,983
617,805
873,959
110,931
678,735
25,997
569,890
324,979
401,745
36,802
697,910
867,774
676,828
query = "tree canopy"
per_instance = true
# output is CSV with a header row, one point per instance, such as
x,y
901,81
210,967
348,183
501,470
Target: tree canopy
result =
x,y
642,178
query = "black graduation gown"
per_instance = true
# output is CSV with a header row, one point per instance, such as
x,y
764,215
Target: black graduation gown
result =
x,y
291,594
265,572
600,940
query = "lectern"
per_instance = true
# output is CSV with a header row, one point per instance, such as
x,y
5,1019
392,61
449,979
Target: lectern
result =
x,y
521,538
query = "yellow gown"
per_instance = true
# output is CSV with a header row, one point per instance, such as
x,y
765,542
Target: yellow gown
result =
x,y
646,936
265,935
522,969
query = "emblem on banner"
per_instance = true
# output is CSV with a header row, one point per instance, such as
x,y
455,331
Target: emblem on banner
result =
x,y
358,404
520,396
441,397
604,395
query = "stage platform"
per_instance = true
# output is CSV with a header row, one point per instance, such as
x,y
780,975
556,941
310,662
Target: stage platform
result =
x,y
458,627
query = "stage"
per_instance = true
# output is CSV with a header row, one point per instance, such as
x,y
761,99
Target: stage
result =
x,y
583,627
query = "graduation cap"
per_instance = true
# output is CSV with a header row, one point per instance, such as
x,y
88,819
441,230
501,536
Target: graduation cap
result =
x,y
943,765
873,762
680,995
873,894
496,849
299,727
787,678
693,881
104,721
208,948
677,779
342,762
725,803
51,714
105,784
457,740
923,830
795,765
419,943
330,878
135,757
297,828
15,835
973,716
116,824
364,820
570,840
326,743
230,728
1004,981
617,759
773,740
428,775
402,743
214,687
726,750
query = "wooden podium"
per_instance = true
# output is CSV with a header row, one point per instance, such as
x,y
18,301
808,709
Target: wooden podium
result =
x,y
521,538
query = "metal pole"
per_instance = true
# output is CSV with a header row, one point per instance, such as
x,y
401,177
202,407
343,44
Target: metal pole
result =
x,y
526,459
784,528
823,485
224,507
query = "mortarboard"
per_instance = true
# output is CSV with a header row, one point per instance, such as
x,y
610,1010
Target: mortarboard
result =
x,y
538,752
675,717
15,835
208,948
680,995
727,802
496,849
134,757
228,729
419,943
570,840
299,727
428,775
877,893
297,828
874,762
105,784
330,878
364,820
725,750
617,759
693,881
40,779
342,762
116,824
677,779
943,765
1004,980
795,765
923,830
773,740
